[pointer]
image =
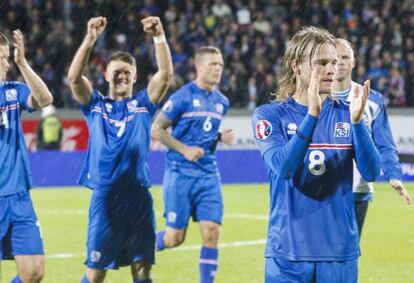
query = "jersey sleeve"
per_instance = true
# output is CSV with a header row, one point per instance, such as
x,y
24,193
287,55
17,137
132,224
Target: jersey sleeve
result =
x,y
383,140
23,95
87,108
367,157
175,106
281,155
144,101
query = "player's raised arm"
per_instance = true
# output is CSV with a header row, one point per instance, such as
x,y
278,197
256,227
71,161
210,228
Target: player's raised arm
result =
x,y
159,132
79,84
40,95
367,157
158,85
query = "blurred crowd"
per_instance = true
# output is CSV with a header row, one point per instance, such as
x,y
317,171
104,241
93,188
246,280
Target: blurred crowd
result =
x,y
251,34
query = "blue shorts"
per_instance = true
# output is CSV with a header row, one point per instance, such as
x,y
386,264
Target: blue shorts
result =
x,y
121,228
280,270
185,196
20,229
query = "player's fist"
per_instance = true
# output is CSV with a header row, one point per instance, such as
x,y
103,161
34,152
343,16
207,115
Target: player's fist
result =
x,y
358,101
227,136
192,153
153,26
95,27
18,44
314,99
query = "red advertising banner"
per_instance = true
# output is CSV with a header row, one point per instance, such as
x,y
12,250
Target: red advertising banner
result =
x,y
75,134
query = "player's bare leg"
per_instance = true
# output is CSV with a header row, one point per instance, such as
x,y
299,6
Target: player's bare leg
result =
x,y
141,271
30,268
210,233
174,237
95,275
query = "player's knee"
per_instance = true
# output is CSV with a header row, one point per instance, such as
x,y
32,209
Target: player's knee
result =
x,y
211,233
95,276
142,271
174,239
32,275
33,272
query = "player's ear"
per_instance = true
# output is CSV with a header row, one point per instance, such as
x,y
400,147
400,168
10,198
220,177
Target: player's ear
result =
x,y
295,67
107,77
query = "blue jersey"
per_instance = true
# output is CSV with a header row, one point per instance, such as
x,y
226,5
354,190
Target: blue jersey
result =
x,y
312,215
118,143
14,166
196,115
376,120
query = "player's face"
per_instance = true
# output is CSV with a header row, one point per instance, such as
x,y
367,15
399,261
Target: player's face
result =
x,y
346,62
210,68
121,77
4,61
325,58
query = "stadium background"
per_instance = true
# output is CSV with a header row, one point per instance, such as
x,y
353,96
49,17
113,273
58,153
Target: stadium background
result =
x,y
252,36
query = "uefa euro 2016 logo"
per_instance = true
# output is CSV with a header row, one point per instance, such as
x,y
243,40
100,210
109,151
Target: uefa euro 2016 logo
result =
x,y
342,129
263,129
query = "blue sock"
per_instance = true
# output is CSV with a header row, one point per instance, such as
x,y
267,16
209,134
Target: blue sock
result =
x,y
16,280
84,279
208,264
160,241
142,281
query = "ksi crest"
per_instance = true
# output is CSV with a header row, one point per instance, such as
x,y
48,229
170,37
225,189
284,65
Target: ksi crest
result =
x,y
263,129
342,130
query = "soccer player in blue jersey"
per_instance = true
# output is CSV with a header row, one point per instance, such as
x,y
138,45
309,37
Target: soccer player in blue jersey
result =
x,y
192,180
376,119
308,141
121,229
20,236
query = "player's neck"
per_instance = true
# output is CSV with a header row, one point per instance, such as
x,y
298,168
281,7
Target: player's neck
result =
x,y
119,96
343,85
204,85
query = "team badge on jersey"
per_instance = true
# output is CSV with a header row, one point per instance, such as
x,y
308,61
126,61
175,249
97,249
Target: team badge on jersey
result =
x,y
263,129
342,129
108,107
196,103
11,94
95,256
132,105
167,106
219,108
291,128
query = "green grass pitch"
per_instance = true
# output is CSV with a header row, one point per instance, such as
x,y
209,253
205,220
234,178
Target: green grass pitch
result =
x,y
387,243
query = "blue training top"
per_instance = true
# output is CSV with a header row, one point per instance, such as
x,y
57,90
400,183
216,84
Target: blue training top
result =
x,y
14,166
310,165
119,142
196,115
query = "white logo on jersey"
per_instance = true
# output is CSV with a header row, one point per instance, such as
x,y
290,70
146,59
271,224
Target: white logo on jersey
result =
x,y
108,107
95,256
219,108
11,94
132,105
196,103
291,128
167,106
172,216
342,130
